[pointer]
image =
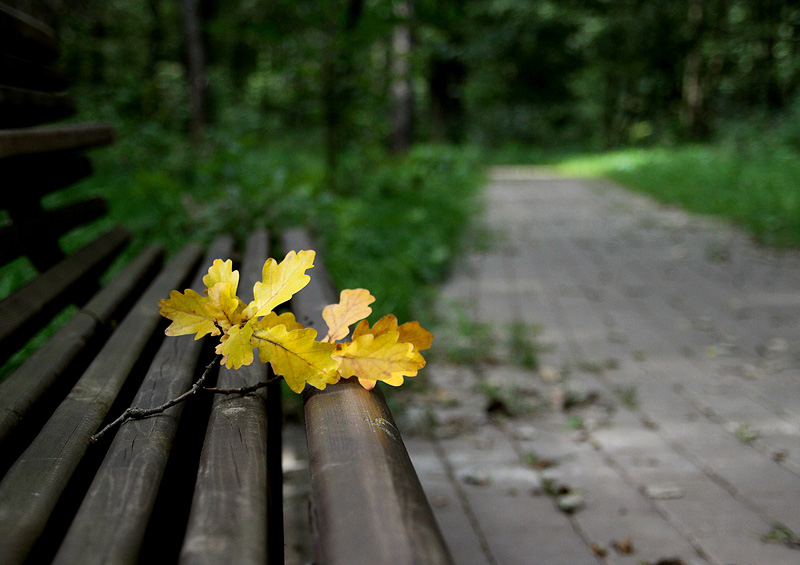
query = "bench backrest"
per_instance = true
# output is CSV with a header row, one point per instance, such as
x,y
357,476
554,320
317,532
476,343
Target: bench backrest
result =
x,y
34,162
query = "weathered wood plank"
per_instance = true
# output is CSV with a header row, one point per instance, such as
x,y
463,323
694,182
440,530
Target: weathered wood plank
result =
x,y
26,37
20,73
33,486
230,518
22,313
25,237
113,518
31,141
23,389
23,108
368,504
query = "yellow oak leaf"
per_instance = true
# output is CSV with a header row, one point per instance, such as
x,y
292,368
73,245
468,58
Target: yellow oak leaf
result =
x,y
237,343
410,332
224,305
222,272
353,306
286,319
280,282
189,314
378,358
236,346
296,355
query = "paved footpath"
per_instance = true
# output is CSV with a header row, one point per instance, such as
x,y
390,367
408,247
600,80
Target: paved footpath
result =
x,y
662,422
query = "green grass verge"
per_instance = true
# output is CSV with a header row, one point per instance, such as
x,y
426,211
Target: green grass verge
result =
x,y
757,189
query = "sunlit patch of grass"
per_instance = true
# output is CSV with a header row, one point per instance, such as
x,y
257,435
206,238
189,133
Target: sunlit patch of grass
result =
x,y
755,188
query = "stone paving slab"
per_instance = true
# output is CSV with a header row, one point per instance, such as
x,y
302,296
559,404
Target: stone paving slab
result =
x,y
666,400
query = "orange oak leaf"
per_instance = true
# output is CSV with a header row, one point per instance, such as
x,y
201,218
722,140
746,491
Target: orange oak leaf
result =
x,y
410,332
380,357
353,306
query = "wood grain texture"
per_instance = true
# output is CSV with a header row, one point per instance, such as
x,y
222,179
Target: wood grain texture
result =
x,y
368,504
23,389
26,37
29,75
33,486
22,238
113,518
20,107
24,312
229,520
31,141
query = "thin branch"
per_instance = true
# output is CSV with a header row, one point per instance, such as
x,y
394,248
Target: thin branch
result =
x,y
140,413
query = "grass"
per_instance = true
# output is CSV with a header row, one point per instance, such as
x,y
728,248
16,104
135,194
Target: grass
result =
x,y
754,187
461,340
522,346
745,433
780,533
628,396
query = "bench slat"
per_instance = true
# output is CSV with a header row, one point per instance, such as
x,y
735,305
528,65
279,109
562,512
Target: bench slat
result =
x,y
25,36
31,141
22,108
29,75
113,518
24,238
23,389
229,520
22,313
368,504
32,487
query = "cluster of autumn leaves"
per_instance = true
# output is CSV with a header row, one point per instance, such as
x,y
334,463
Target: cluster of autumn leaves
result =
x,y
385,352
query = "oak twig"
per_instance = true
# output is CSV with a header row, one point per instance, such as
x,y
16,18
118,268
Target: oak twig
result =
x,y
244,389
140,413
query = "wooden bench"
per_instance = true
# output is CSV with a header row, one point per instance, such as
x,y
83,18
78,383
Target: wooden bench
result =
x,y
202,482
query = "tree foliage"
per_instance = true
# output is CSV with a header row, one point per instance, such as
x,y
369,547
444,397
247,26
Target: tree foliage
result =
x,y
616,71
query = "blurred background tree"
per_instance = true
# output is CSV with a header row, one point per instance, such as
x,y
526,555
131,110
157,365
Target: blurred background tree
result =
x,y
388,72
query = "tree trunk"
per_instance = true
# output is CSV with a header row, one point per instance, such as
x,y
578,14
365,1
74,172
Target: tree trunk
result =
x,y
195,67
337,87
445,86
156,38
693,103
402,94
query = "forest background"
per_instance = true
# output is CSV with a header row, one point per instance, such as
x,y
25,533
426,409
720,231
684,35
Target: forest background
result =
x,y
372,120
